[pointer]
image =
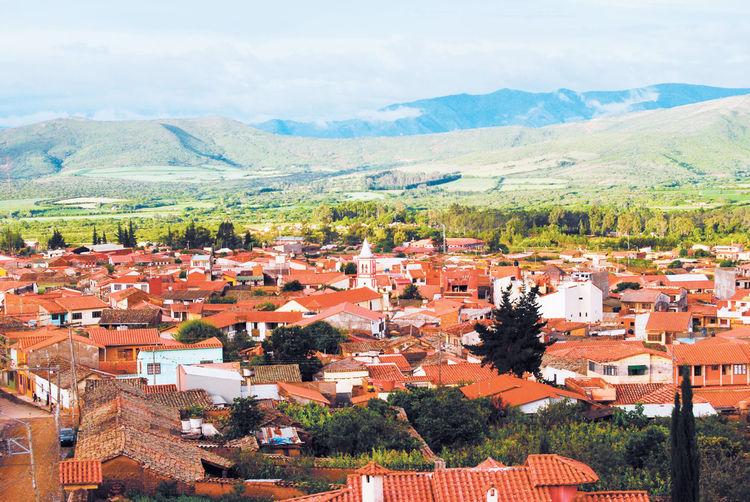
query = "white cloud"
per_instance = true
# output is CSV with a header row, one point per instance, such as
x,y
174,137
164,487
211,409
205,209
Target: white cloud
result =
x,y
309,62
634,97
391,114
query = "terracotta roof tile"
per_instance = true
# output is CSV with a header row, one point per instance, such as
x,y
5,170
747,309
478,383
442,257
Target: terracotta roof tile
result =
x,y
80,472
118,337
554,470
620,496
273,373
461,373
712,351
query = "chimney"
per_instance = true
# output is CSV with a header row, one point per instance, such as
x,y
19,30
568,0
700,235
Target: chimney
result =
x,y
491,495
372,488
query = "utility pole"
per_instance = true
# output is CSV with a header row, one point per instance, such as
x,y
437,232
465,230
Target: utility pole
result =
x,y
73,375
21,450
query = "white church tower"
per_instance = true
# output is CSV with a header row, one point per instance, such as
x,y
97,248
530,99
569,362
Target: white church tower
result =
x,y
366,268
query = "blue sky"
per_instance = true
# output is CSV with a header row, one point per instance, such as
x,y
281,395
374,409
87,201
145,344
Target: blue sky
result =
x,y
320,60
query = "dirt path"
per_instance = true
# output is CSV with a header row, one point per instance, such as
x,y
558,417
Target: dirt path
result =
x,y
15,470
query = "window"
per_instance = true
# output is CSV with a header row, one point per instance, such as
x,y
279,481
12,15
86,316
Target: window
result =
x,y
153,368
609,370
208,361
698,370
116,287
96,314
592,366
654,338
124,354
637,370
714,367
725,369
740,369
77,316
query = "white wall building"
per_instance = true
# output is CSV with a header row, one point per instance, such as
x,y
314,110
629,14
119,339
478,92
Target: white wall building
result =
x,y
578,302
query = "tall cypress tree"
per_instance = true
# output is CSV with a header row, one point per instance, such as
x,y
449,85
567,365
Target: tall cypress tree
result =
x,y
684,446
512,343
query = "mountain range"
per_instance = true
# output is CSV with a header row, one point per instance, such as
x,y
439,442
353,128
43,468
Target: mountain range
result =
x,y
505,107
696,143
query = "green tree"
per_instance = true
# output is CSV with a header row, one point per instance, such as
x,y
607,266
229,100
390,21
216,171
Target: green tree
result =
x,y
443,416
11,240
245,417
294,285
293,345
326,338
225,236
411,292
196,330
349,268
684,447
57,241
512,343
356,430
622,286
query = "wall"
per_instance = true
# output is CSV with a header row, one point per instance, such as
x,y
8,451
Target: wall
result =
x,y
224,387
659,370
170,359
665,410
86,355
264,391
87,317
252,489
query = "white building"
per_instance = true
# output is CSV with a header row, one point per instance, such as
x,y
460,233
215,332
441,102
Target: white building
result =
x,y
366,268
576,301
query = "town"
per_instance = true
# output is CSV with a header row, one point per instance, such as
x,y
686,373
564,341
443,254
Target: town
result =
x,y
437,371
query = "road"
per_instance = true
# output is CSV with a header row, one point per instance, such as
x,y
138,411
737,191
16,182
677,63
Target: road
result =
x,y
15,470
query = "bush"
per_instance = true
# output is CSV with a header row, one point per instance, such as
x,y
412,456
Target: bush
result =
x,y
197,330
443,417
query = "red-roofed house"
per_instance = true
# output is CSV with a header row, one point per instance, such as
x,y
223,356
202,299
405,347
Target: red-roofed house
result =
x,y
714,362
543,478
664,327
526,395
351,318
119,348
363,297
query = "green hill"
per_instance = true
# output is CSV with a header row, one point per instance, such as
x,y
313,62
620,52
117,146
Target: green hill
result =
x,y
702,142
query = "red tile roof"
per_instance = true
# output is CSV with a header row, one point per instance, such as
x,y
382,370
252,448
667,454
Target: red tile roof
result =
x,y
712,351
208,343
622,496
462,373
348,308
724,397
327,300
80,472
517,391
672,322
118,337
554,470
600,350
80,302
398,359
231,317
387,372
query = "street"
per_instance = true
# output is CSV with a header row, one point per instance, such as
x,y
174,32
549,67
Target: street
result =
x,y
15,470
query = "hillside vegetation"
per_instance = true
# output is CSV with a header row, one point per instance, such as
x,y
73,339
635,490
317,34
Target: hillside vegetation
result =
x,y
689,145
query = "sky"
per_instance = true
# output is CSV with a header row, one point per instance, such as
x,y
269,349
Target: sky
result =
x,y
318,60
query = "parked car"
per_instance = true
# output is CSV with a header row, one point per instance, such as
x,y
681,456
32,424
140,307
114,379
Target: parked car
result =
x,y
67,436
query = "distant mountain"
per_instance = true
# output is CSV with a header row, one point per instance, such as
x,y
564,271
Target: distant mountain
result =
x,y
703,142
502,108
